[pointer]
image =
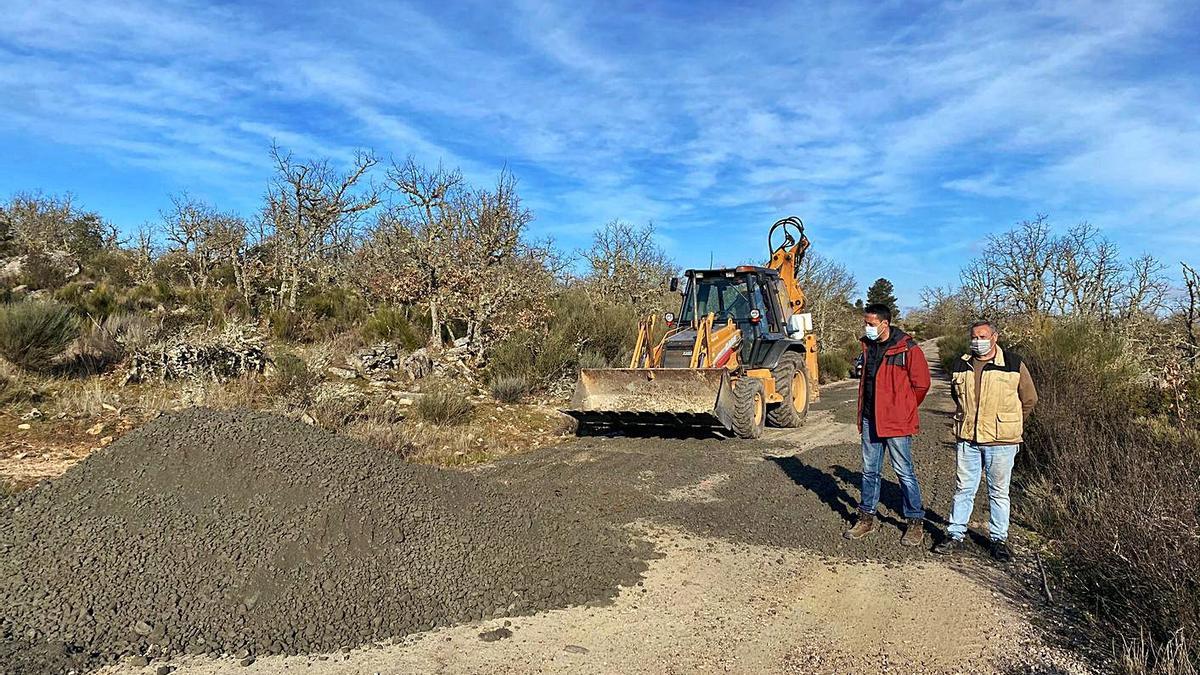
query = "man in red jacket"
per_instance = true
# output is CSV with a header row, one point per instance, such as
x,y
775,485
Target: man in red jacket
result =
x,y
895,379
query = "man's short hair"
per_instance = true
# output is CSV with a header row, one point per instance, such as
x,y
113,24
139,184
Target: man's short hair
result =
x,y
880,310
982,322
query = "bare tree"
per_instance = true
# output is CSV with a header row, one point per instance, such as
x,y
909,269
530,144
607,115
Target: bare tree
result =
x,y
412,243
201,239
312,210
828,288
626,265
37,223
1031,273
460,252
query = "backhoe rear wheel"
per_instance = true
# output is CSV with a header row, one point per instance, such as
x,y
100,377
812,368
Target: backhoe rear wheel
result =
x,y
749,407
791,381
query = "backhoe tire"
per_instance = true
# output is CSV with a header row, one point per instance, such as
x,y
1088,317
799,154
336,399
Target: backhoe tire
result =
x,y
749,407
791,381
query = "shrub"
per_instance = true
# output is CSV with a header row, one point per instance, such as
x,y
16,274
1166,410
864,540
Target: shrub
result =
x,y
294,380
390,324
329,310
509,388
514,355
833,367
284,325
951,348
107,343
442,405
593,360
1114,488
34,334
95,300
41,271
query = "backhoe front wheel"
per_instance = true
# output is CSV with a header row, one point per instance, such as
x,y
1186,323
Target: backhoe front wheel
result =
x,y
791,381
749,407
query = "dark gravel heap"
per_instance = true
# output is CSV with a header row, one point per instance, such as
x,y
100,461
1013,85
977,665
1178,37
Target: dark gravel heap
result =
x,y
243,533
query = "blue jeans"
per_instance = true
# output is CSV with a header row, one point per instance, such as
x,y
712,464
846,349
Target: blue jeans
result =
x,y
899,449
974,460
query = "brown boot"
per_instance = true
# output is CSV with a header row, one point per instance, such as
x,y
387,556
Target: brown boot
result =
x,y
864,526
915,534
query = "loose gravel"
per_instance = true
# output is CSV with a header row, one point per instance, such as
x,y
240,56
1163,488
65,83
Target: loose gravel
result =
x,y
244,534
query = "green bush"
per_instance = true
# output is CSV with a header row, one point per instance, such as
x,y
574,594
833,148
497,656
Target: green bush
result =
x,y
112,266
329,310
509,388
294,380
34,334
284,325
40,271
832,367
391,324
149,296
90,299
951,348
442,404
106,343
593,360
580,333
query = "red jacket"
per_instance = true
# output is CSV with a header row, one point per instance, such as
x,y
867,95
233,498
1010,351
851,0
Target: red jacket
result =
x,y
900,386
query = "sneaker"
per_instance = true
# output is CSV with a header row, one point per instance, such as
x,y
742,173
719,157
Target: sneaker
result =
x,y
914,535
1001,552
947,546
865,525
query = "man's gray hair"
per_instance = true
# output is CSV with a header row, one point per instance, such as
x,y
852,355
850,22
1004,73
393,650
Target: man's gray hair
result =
x,y
982,322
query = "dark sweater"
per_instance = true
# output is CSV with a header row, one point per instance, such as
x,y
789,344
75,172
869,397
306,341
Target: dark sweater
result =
x,y
875,351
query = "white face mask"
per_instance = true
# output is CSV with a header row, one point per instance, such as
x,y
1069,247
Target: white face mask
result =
x,y
872,332
981,346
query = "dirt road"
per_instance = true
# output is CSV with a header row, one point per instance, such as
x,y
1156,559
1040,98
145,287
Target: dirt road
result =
x,y
750,574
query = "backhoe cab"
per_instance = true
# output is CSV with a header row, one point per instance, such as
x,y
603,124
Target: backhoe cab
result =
x,y
738,355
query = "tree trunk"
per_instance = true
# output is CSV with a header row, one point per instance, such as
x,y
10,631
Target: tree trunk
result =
x,y
435,324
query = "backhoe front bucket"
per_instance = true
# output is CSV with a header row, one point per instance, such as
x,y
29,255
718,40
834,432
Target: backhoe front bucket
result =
x,y
689,397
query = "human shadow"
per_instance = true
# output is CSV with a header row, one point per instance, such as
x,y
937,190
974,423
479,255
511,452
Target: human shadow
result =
x,y
891,496
820,483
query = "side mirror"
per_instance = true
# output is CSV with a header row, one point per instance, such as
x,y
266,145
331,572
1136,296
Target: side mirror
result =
x,y
674,284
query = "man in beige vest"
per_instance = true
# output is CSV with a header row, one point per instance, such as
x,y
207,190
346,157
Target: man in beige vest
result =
x,y
994,394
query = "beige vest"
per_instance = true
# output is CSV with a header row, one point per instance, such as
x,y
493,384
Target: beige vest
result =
x,y
992,415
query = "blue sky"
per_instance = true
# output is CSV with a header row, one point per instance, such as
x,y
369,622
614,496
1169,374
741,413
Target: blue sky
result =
x,y
901,132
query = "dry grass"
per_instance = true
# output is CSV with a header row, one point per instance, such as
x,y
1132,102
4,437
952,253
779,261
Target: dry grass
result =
x,y
1112,483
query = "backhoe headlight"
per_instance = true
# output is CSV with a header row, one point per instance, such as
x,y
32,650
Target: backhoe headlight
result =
x,y
669,318
755,316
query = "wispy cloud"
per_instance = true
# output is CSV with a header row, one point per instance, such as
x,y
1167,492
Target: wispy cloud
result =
x,y
894,129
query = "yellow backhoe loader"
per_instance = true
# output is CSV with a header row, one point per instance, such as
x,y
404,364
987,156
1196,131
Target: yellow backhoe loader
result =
x,y
739,354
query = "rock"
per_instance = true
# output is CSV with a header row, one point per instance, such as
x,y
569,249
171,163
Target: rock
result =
x,y
202,354
25,427
494,635
344,373
142,628
418,364
33,414
575,649
246,661
139,662
95,429
165,670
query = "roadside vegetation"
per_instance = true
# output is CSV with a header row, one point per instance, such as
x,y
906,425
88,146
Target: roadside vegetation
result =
x,y
1110,470
392,301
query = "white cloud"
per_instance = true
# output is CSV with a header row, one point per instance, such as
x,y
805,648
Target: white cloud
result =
x,y
886,126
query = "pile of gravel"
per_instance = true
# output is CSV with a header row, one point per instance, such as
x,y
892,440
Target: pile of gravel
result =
x,y
243,533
